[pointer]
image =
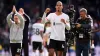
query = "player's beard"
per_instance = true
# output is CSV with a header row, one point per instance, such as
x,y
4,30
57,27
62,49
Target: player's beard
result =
x,y
58,10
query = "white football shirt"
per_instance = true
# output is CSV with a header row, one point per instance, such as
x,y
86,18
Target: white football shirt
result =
x,y
57,27
36,28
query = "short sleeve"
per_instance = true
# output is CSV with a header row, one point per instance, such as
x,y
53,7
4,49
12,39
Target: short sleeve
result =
x,y
42,27
67,25
67,18
48,17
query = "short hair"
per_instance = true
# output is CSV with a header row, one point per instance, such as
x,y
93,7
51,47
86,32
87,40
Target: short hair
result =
x,y
83,10
38,19
47,23
59,2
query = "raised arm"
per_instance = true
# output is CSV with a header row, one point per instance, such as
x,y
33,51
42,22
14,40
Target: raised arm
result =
x,y
27,18
44,20
9,21
21,20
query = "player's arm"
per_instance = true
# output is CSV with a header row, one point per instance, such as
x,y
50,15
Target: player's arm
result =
x,y
89,25
26,17
46,35
41,33
44,20
41,30
45,38
9,21
66,22
21,19
67,25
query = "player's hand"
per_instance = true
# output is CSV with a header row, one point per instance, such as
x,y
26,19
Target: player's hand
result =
x,y
44,43
63,21
47,10
14,9
92,41
21,11
78,25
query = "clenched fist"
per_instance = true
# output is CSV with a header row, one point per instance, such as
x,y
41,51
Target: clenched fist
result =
x,y
47,10
63,21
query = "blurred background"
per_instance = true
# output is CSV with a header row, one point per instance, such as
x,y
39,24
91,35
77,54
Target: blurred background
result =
x,y
35,8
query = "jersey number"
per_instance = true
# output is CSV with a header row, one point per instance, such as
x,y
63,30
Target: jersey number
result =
x,y
36,31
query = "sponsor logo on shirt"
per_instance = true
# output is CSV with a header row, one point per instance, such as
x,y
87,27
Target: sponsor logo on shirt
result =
x,y
58,23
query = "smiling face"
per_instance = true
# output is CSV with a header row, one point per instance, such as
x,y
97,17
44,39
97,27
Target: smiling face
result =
x,y
59,6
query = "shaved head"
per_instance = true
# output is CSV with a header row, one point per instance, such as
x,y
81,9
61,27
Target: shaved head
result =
x,y
59,2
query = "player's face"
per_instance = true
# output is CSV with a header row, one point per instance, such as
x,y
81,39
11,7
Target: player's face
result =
x,y
59,7
82,14
16,19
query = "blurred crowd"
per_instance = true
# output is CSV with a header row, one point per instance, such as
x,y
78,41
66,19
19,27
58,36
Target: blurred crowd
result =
x,y
33,9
